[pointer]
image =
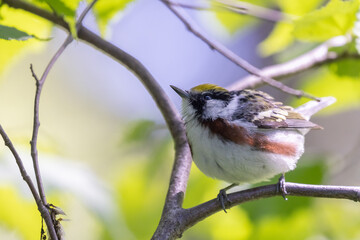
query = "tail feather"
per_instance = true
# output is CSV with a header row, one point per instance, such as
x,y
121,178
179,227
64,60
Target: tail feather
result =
x,y
310,108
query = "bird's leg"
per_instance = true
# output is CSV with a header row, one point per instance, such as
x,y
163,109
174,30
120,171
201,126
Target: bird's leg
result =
x,y
281,186
222,196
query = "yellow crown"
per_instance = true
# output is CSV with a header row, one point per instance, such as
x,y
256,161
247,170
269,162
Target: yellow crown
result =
x,y
207,87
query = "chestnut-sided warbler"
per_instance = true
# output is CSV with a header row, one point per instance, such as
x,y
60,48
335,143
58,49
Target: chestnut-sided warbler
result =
x,y
245,136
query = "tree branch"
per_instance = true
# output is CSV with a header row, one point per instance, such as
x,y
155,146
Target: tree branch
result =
x,y
213,44
41,207
315,57
198,213
175,220
182,163
243,8
40,199
255,11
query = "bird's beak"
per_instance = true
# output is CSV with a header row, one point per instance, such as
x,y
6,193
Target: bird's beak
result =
x,y
181,92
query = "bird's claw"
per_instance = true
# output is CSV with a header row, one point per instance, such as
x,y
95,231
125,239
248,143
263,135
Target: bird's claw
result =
x,y
223,199
281,187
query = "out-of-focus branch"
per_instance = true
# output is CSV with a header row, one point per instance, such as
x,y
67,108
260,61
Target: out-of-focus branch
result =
x,y
182,163
255,10
39,85
213,44
243,8
319,55
41,198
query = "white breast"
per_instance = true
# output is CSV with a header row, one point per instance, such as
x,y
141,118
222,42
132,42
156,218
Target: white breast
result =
x,y
236,163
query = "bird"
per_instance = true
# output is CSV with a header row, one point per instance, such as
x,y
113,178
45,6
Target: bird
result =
x,y
245,136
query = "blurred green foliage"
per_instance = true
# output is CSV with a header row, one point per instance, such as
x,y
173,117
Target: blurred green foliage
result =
x,y
142,177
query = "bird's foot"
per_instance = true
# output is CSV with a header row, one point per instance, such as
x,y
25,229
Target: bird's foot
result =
x,y
281,187
223,197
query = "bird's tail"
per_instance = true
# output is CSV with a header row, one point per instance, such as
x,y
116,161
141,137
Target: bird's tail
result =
x,y
310,108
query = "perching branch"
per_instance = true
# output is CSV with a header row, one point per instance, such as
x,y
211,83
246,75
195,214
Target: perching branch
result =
x,y
319,55
197,213
213,44
186,218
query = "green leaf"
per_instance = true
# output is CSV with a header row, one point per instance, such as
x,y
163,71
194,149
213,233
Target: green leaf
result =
x,y
60,8
139,131
233,21
11,33
298,7
326,83
106,10
282,35
356,31
280,38
336,18
346,68
66,9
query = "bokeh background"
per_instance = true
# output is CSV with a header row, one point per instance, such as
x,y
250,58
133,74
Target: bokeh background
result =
x,y
106,154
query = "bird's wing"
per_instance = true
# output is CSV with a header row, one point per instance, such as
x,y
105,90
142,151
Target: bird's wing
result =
x,y
264,112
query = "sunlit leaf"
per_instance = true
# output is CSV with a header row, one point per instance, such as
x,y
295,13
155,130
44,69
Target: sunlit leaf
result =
x,y
278,40
29,23
298,7
282,35
19,213
106,10
232,21
336,18
60,8
356,31
326,83
66,9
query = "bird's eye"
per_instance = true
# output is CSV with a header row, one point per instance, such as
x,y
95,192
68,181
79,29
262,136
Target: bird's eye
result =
x,y
207,97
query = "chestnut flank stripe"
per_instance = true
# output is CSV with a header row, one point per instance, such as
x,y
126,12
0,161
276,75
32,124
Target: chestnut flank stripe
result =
x,y
239,135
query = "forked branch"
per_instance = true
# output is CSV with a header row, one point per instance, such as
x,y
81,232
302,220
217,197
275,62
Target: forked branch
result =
x,y
175,220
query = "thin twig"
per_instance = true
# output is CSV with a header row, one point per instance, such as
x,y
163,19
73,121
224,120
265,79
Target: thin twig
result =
x,y
239,7
36,123
173,215
84,13
213,44
255,11
318,55
182,163
42,209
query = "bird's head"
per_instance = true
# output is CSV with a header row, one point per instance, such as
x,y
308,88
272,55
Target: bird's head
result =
x,y
205,102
